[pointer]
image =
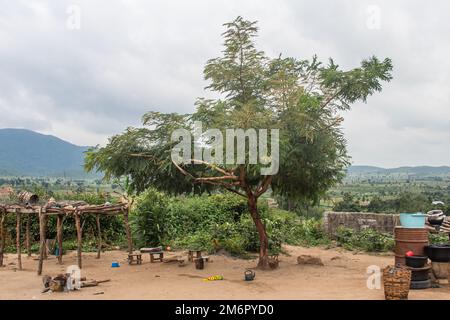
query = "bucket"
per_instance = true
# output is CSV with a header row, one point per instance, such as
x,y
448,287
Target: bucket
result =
x,y
199,263
409,239
249,275
412,220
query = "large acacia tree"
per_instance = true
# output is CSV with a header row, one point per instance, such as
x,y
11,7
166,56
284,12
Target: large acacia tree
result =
x,y
303,99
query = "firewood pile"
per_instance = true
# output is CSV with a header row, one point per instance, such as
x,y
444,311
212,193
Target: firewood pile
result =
x,y
64,282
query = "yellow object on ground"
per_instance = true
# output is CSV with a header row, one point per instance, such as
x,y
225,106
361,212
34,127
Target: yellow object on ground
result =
x,y
213,278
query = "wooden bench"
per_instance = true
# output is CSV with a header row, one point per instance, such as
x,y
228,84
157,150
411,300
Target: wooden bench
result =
x,y
159,254
135,258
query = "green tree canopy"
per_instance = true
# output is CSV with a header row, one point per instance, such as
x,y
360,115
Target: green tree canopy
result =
x,y
303,99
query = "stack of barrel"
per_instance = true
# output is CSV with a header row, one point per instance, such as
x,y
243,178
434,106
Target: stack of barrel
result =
x,y
413,240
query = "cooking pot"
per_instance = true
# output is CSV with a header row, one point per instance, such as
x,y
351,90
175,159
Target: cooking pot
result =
x,y
435,217
438,252
416,261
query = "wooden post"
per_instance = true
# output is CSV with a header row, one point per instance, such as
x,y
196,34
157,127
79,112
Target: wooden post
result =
x,y
3,236
27,235
79,239
127,229
18,244
99,231
45,221
59,236
42,240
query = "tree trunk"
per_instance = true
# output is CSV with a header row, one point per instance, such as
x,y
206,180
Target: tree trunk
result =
x,y
263,262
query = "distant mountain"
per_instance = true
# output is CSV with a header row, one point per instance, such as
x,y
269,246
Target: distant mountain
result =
x,y
28,153
419,170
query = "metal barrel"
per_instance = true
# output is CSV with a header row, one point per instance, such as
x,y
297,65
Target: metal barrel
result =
x,y
409,239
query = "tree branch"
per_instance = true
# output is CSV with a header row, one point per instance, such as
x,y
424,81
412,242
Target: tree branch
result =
x,y
264,186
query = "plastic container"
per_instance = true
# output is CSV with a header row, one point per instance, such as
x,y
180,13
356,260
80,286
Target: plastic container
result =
x,y
412,220
416,261
115,265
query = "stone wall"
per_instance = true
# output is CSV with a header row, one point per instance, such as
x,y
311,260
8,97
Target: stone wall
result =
x,y
360,220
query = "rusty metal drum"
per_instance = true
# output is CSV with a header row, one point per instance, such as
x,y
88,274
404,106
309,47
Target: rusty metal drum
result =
x,y
409,239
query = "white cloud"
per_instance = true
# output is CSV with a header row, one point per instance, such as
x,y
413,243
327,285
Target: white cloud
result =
x,y
130,57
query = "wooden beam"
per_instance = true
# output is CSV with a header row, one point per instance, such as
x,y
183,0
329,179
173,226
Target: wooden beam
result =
x,y
59,236
79,238
18,242
128,231
42,241
27,235
99,235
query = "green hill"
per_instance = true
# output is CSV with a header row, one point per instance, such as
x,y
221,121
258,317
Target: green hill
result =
x,y
27,153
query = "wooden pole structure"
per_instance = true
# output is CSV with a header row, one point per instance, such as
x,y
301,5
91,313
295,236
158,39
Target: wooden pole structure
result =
x,y
99,231
18,243
42,240
27,235
59,236
127,229
3,236
45,222
79,239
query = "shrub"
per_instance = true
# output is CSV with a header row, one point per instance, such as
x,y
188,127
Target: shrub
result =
x,y
437,238
367,240
217,222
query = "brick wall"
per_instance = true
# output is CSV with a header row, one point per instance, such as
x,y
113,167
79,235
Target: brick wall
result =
x,y
360,220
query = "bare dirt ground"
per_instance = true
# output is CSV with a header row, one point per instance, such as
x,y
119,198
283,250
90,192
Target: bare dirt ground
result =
x,y
342,277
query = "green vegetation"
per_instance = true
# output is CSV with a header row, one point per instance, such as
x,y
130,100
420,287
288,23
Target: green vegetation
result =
x,y
216,222
366,240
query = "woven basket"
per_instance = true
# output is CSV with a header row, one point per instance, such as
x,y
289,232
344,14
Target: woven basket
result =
x,y
396,281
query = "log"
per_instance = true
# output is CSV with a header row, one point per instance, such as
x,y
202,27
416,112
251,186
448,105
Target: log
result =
x,y
42,241
79,238
27,235
18,244
172,259
59,236
99,231
93,283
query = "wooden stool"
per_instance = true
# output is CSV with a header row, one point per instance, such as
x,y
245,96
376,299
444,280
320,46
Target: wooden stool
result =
x,y
159,258
135,257
198,254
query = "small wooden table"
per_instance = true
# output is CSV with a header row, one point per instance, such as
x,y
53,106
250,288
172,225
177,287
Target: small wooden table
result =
x,y
159,254
198,254
135,258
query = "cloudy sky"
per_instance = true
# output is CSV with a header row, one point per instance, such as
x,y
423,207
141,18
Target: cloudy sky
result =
x,y
128,57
